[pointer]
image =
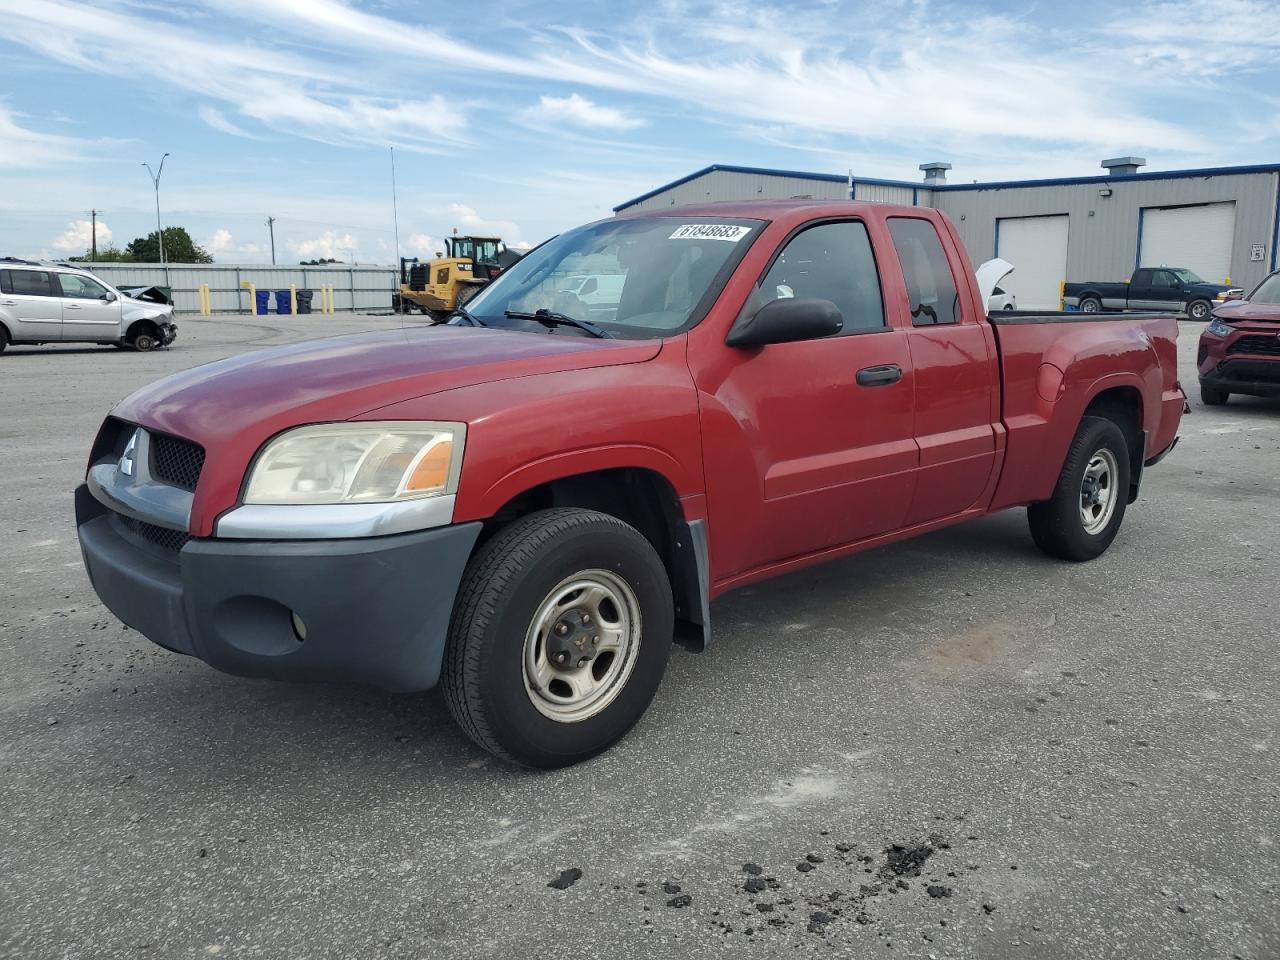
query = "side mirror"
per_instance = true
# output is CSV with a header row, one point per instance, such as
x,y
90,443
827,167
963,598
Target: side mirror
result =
x,y
108,297
785,321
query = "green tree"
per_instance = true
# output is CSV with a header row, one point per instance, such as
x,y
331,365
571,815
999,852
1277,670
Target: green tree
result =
x,y
105,255
317,263
178,248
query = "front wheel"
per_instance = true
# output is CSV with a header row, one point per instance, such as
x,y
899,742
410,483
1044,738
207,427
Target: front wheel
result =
x,y
1199,309
1082,517
560,636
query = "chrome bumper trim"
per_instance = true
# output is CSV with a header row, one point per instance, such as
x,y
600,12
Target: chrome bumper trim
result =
x,y
333,521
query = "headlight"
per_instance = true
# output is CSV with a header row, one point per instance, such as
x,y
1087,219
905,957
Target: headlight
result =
x,y
1218,328
358,463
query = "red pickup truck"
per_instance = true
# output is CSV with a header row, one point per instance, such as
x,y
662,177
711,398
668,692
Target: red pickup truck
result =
x,y
531,503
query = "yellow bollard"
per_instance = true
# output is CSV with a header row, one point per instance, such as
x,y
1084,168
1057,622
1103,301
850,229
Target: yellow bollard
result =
x,y
293,299
253,296
206,306
331,298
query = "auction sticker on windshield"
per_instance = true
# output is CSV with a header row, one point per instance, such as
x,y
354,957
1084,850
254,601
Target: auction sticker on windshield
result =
x,y
710,231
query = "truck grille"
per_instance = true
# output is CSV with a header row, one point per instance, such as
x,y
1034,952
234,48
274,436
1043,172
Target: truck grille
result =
x,y
175,461
1263,346
163,537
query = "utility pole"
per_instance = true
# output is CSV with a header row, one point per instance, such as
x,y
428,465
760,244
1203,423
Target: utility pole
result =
x,y
395,215
271,226
155,179
93,249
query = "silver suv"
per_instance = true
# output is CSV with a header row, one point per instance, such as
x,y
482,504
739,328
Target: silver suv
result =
x,y
48,303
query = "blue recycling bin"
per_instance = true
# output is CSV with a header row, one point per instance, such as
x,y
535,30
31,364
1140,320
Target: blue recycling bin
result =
x,y
263,305
282,302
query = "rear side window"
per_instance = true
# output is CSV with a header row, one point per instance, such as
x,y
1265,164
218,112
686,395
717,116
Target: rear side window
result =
x,y
832,261
27,283
931,288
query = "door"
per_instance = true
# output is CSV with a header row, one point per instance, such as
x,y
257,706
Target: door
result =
x,y
1037,248
956,373
29,299
1155,290
90,312
1198,237
808,445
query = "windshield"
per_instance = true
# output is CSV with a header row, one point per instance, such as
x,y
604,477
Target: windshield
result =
x,y
635,278
1187,276
1268,291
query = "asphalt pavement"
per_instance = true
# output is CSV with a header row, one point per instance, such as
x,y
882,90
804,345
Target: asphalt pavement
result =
x,y
953,747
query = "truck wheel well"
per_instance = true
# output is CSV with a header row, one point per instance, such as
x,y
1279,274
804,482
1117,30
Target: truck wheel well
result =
x,y
1123,407
642,498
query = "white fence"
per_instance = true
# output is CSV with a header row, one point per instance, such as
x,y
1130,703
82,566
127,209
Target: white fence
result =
x,y
354,287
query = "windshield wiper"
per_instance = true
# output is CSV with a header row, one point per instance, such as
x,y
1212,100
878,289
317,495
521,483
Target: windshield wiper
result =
x,y
467,315
551,319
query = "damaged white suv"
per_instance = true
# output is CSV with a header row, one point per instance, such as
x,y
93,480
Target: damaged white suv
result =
x,y
48,303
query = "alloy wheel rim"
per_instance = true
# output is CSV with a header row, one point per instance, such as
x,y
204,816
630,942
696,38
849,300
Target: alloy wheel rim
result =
x,y
581,646
1098,491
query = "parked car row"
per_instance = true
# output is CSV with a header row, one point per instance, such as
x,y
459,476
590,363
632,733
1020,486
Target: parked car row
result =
x,y
48,303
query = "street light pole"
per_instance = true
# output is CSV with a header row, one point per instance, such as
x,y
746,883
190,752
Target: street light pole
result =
x,y
155,180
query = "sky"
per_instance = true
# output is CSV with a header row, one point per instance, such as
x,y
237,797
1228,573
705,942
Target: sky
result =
x,y
522,119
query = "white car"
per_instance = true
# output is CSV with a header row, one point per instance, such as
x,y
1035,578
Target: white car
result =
x,y
989,275
54,303
1000,300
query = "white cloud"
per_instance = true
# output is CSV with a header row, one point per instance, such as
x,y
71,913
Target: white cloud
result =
x,y
423,246
21,147
78,237
217,120
328,246
577,110
468,221
221,243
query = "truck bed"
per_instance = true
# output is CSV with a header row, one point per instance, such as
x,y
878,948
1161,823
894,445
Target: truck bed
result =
x,y
1053,365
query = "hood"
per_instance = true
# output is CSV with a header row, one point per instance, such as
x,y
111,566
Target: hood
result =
x,y
258,394
1242,311
989,276
1204,287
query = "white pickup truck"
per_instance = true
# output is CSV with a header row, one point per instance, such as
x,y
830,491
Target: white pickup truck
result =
x,y
48,303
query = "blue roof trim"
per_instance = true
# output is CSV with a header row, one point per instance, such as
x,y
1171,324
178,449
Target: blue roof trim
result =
x,y
951,187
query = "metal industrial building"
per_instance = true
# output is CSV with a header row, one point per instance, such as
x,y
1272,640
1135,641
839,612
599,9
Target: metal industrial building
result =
x,y
1220,222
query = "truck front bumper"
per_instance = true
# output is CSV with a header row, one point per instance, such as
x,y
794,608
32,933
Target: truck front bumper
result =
x,y
372,610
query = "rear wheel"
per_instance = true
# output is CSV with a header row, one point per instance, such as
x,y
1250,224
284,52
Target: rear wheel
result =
x,y
559,639
1212,396
1082,517
1090,305
1199,309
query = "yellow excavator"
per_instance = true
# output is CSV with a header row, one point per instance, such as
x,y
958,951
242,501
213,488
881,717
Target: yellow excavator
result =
x,y
440,286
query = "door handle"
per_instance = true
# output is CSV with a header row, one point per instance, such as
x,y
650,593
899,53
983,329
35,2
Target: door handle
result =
x,y
9,303
72,306
880,376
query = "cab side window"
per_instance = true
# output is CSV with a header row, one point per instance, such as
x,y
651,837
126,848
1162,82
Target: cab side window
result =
x,y
831,261
81,287
27,283
931,288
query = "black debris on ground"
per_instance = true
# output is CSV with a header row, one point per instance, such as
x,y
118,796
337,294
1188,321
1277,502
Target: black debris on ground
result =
x,y
752,868
804,866
755,885
905,859
566,879
668,887
938,891
681,901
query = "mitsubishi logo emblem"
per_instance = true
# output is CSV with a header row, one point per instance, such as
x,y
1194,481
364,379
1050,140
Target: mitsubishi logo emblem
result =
x,y
127,464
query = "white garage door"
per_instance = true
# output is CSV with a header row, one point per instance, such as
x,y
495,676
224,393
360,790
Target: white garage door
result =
x,y
1037,248
1198,238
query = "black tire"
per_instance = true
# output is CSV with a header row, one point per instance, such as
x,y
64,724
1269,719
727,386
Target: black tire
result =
x,y
1090,305
4,338
1212,396
506,582
1057,525
1008,306
143,342
1199,310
